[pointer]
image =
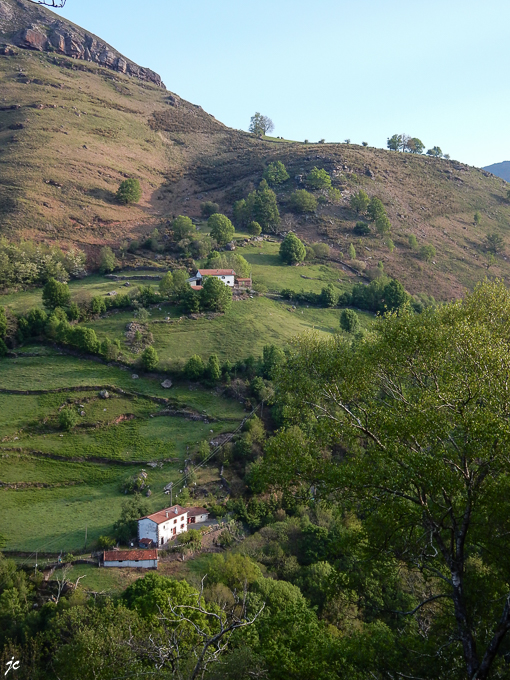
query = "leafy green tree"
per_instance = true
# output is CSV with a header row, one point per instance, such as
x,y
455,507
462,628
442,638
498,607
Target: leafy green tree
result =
x,y
190,300
427,253
394,143
494,243
149,358
349,321
260,125
209,208
435,152
272,358
183,227
84,339
254,229
328,296
97,305
221,228
133,509
55,294
180,280
302,201
73,312
376,209
204,449
422,411
129,191
352,252
415,145
107,260
215,295
292,249
390,244
213,368
361,229
67,418
318,178
194,368
264,207
395,295
106,542
276,173
359,201
166,285
413,241
383,225
3,348
241,213
477,219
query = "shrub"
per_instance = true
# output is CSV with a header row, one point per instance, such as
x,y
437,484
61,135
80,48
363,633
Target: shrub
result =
x,y
361,229
352,252
84,339
276,173
97,305
194,367
3,348
106,542
209,208
254,228
321,250
302,201
292,249
55,294
427,253
360,201
129,191
318,179
413,241
383,225
328,296
349,321
107,260
67,419
149,358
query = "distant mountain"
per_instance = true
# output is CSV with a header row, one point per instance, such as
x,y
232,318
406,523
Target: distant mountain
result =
x,y
500,170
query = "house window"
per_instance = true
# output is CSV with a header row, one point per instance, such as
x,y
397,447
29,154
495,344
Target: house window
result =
x,y
175,521
222,277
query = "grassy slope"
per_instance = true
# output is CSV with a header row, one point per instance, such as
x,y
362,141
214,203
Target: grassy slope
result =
x,y
87,493
183,156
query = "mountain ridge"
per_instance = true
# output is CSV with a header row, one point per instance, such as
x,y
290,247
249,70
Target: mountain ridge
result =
x,y
500,170
35,27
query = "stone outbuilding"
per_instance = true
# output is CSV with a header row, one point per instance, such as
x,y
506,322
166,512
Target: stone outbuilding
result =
x,y
142,559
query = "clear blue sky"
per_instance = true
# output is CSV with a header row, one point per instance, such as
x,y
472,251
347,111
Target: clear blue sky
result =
x,y
332,69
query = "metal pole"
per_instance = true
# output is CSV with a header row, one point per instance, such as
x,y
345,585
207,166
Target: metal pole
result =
x,y
35,570
85,535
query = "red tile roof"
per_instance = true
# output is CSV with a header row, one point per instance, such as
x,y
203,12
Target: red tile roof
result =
x,y
216,272
243,279
193,512
145,541
196,287
125,555
161,516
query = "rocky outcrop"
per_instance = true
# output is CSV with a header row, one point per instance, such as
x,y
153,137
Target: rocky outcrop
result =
x,y
32,27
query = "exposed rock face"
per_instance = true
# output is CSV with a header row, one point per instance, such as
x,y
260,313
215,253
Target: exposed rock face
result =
x,y
33,27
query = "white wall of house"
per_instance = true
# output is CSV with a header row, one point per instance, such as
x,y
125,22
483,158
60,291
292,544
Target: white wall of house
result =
x,y
228,280
201,518
143,564
148,529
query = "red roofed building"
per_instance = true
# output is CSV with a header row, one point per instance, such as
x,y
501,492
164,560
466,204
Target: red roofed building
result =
x,y
162,526
196,515
226,276
142,559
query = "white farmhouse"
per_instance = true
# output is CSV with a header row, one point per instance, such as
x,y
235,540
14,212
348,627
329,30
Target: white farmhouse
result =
x,y
162,526
144,559
226,276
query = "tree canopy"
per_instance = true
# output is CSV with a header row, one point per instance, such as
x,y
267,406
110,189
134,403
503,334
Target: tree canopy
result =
x,y
55,294
292,249
420,411
129,191
221,228
260,125
276,173
302,201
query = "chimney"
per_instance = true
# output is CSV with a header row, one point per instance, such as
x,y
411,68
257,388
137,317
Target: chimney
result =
x,y
166,513
176,511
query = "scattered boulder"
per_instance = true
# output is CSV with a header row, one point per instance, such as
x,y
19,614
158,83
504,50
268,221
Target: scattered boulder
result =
x,y
32,39
166,384
135,376
104,394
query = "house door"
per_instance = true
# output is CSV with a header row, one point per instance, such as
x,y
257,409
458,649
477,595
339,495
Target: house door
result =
x,y
162,539
175,529
193,520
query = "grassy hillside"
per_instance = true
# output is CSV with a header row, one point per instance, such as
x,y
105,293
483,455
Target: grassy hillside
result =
x,y
71,131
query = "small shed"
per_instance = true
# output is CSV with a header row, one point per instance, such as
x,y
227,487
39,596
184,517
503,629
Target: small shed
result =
x,y
197,515
146,543
143,559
